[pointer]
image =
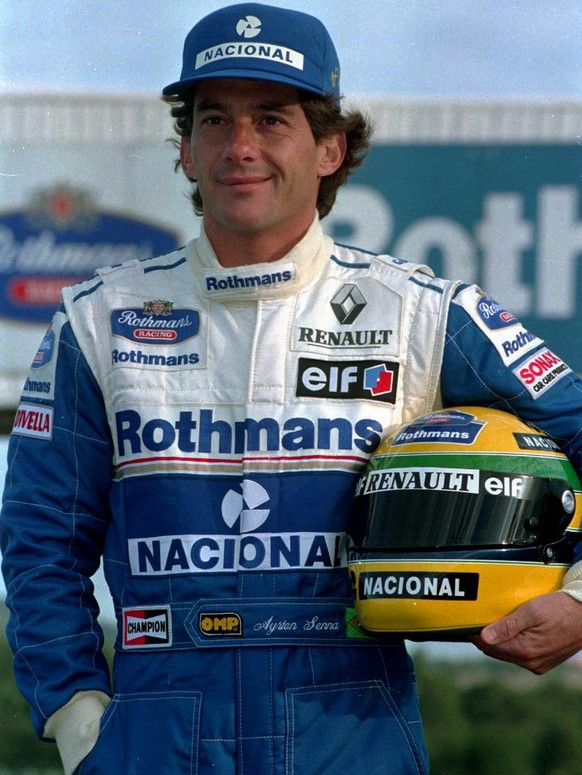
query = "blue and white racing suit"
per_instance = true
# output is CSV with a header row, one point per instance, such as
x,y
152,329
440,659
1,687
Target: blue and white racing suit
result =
x,y
201,430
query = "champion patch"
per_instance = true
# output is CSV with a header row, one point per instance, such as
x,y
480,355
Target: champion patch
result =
x,y
147,627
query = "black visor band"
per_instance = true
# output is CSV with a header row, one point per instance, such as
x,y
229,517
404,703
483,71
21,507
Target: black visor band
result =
x,y
500,510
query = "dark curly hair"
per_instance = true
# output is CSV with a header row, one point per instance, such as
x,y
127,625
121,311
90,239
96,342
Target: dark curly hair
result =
x,y
325,118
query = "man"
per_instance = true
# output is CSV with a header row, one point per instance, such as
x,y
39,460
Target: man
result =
x,y
208,419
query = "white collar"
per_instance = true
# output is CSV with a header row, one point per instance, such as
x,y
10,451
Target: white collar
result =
x,y
268,280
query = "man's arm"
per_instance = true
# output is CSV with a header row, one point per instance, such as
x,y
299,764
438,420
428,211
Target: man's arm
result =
x,y
477,369
52,528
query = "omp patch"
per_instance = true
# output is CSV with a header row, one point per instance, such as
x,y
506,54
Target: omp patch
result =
x,y
220,624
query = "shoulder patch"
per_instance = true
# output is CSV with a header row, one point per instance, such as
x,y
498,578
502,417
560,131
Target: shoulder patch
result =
x,y
505,332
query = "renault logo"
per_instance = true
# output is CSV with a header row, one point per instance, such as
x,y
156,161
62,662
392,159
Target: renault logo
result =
x,y
347,303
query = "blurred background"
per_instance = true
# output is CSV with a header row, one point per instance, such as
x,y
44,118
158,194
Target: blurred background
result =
x,y
475,170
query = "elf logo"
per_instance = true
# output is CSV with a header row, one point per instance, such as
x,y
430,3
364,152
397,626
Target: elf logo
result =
x,y
370,379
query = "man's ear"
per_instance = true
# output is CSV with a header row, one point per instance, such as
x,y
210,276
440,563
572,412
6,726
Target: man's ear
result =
x,y
333,153
186,162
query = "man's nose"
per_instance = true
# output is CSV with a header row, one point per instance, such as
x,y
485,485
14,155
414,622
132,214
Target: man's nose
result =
x,y
241,142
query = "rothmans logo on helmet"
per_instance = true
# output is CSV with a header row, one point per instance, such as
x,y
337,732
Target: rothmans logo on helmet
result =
x,y
447,426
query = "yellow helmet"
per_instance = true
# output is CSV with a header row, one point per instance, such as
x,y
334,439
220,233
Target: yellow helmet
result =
x,y
460,516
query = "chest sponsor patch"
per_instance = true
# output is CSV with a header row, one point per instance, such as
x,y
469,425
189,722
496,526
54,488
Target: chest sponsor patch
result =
x,y
157,327
541,371
362,319
223,283
370,379
147,627
189,554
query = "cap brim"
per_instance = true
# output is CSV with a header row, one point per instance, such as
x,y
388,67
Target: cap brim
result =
x,y
185,87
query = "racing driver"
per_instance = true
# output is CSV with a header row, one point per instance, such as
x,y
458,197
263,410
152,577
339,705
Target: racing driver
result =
x,y
208,414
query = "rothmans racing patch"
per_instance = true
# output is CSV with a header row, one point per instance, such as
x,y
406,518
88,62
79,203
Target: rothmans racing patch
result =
x,y
509,337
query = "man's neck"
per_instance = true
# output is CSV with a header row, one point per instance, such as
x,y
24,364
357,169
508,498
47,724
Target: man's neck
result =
x,y
241,249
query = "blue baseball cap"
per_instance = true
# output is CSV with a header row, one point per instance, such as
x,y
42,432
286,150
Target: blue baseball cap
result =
x,y
261,42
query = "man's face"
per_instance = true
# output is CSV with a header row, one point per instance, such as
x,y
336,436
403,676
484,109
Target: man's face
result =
x,y
254,156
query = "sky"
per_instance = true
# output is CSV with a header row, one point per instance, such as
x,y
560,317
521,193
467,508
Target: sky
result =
x,y
399,48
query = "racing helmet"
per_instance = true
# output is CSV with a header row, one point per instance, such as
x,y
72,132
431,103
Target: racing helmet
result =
x,y
460,517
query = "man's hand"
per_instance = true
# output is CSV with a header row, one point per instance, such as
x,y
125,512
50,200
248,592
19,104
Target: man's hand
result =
x,y
538,636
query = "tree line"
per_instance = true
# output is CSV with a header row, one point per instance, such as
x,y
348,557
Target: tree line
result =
x,y
485,717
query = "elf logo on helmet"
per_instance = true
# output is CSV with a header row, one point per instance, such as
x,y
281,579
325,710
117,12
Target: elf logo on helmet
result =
x,y
511,486
458,480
